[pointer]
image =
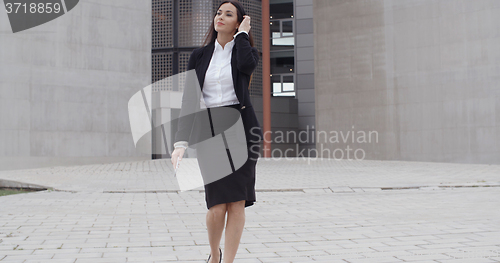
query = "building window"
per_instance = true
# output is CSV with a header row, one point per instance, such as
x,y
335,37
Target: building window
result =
x,y
282,34
282,62
281,9
283,85
281,22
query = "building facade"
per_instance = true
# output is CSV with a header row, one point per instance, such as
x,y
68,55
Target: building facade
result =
x,y
65,84
408,80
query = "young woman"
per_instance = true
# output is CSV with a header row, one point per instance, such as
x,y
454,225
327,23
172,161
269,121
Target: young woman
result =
x,y
224,67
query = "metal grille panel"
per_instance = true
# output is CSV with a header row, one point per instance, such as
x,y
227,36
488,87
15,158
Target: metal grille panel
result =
x,y
162,21
162,68
195,16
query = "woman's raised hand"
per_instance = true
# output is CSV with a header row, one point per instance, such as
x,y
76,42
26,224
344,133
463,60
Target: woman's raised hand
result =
x,y
245,24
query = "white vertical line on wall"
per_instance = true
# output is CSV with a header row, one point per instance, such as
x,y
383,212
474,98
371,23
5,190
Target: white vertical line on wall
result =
x,y
64,6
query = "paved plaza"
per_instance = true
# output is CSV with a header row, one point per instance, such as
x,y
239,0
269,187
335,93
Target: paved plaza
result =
x,y
307,210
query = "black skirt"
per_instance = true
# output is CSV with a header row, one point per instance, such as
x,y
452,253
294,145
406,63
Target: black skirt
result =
x,y
237,186
240,185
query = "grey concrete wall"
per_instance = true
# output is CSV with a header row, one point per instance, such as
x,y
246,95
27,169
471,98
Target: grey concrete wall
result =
x,y
423,74
65,85
304,69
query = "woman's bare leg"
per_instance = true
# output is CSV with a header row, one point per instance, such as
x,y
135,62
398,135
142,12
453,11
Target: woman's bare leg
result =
x,y
216,217
234,229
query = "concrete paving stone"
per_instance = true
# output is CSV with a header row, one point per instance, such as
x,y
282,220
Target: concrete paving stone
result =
x,y
284,244
468,260
249,260
334,242
302,253
250,245
151,259
377,254
372,240
273,249
26,244
356,189
6,247
466,230
70,240
343,235
482,243
187,261
296,238
361,245
334,257
128,244
103,250
341,189
15,252
487,241
423,257
274,239
449,239
168,249
417,237
86,244
482,248
175,243
166,253
357,251
385,234
58,260
329,261
316,190
90,255
322,247
442,245
101,260
375,260
169,235
192,255
472,254
487,226
311,236
286,259
16,238
55,251
117,254
255,255
27,257
177,238
423,230
408,242
491,233
434,250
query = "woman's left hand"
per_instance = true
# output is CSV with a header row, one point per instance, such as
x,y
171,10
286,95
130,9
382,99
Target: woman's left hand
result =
x,y
245,24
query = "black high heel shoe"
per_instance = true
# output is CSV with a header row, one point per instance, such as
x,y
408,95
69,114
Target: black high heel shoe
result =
x,y
220,259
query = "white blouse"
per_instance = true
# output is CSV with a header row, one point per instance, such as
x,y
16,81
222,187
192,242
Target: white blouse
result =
x,y
218,88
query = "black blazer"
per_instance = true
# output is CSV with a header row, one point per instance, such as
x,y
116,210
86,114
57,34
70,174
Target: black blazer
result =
x,y
244,60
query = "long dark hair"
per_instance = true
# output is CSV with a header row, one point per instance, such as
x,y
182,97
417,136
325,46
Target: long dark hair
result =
x,y
211,34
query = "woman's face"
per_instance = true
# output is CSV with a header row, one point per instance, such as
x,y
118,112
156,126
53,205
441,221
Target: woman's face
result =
x,y
226,19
